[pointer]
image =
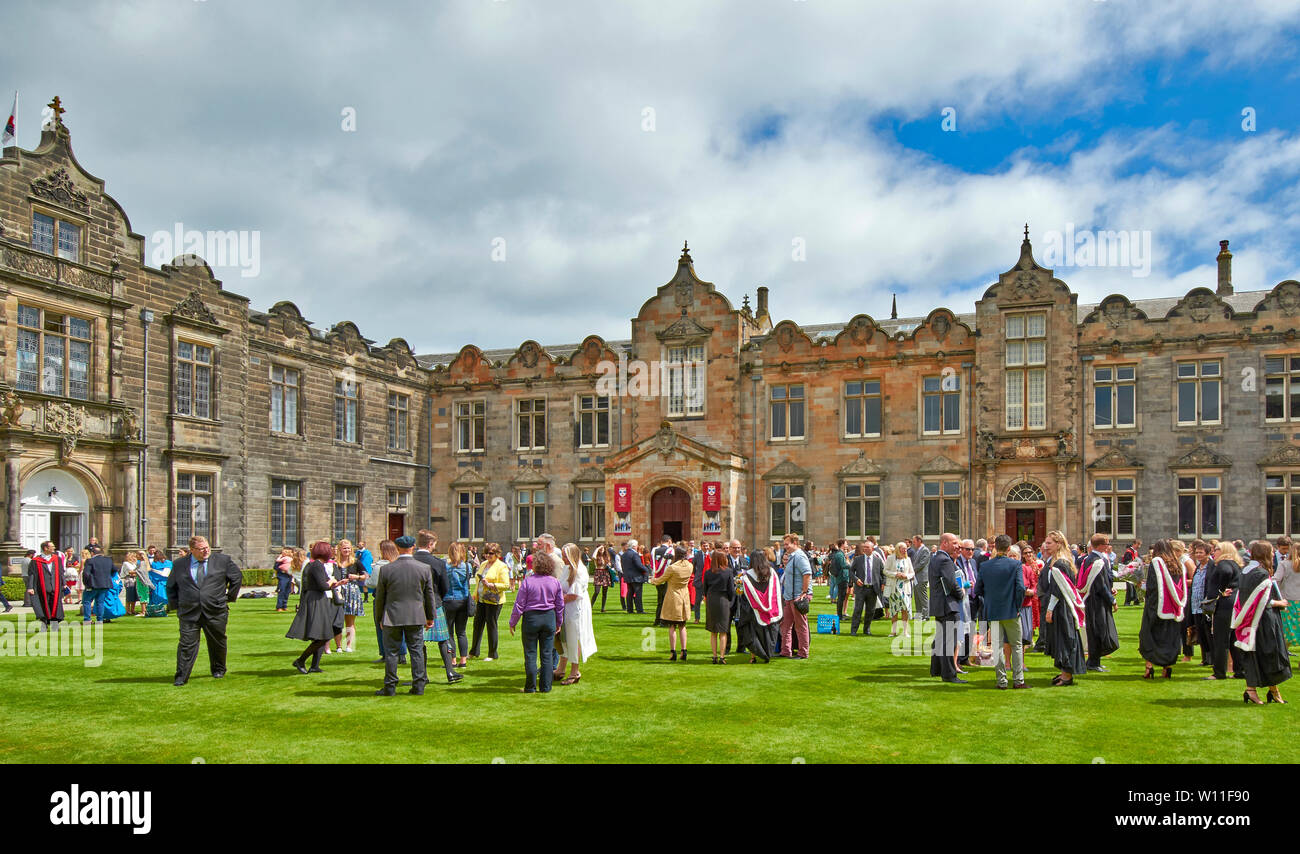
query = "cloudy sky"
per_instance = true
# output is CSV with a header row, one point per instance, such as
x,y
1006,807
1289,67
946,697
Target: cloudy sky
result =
x,y
527,169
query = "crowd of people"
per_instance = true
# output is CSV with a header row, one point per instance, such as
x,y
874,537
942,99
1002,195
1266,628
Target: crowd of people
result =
x,y
1240,604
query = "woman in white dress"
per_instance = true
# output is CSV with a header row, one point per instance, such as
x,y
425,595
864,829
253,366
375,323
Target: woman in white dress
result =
x,y
898,589
579,639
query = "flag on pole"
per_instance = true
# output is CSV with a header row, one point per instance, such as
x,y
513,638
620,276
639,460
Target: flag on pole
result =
x,y
8,141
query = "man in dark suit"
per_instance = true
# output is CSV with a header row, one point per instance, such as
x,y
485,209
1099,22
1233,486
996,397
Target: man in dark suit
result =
x,y
404,597
868,571
425,543
920,556
1001,584
698,565
945,606
635,574
97,575
200,589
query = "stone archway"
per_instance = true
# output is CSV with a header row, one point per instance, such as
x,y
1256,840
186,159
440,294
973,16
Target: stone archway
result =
x,y
670,513
55,505
1026,512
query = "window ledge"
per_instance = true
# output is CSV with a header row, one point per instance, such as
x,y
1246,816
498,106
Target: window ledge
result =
x,y
194,419
356,446
279,435
862,438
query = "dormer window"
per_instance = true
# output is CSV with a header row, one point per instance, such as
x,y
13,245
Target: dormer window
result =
x,y
50,234
686,381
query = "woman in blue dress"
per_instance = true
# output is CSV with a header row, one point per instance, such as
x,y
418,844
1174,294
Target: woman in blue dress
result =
x,y
160,569
113,605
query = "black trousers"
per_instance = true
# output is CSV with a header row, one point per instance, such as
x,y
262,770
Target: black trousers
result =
x,y
413,637
945,643
457,611
841,600
1223,640
214,631
659,602
1205,637
1130,594
485,616
634,605
864,607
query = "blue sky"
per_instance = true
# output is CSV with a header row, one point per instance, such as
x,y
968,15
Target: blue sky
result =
x,y
772,124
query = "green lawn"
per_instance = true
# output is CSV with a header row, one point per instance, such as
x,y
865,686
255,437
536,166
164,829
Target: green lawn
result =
x,y
853,701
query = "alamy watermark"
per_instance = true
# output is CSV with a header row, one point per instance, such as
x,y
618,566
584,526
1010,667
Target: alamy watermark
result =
x,y
239,249
25,638
1086,248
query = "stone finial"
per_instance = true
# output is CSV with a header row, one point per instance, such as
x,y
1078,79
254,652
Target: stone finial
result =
x,y
1225,270
893,308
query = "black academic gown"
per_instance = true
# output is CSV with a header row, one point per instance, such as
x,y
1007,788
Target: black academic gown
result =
x,y
1268,664
753,635
1099,620
47,602
315,617
1063,641
1160,641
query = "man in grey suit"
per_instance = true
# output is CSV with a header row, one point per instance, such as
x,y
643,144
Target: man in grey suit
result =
x,y
868,584
404,596
200,589
921,584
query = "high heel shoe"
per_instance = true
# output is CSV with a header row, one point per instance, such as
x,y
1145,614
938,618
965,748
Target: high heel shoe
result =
x,y
1245,698
722,660
715,659
1151,672
1168,673
673,657
683,653
1276,699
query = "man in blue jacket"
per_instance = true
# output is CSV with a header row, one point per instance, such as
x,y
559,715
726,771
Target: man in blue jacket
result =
x,y
1001,583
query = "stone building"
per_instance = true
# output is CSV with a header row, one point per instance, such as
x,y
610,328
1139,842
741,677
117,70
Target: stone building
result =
x,y
143,404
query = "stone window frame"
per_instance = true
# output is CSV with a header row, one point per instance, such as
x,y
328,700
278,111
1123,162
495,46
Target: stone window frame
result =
x,y
942,497
844,434
1199,491
81,224
393,415
1109,499
845,483
182,467
358,415
516,421
671,365
335,503
533,527
788,501
1290,376
1291,493
195,339
594,412
1025,368
43,305
476,532
1114,384
1200,379
598,501
299,425
456,418
959,393
804,399
283,499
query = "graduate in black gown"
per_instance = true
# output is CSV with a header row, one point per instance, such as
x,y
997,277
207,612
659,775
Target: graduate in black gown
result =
x,y
1221,588
759,607
1096,588
45,585
1161,637
1257,627
315,619
1063,612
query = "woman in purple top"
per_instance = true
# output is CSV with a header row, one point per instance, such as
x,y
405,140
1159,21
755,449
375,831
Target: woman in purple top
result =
x,y
540,603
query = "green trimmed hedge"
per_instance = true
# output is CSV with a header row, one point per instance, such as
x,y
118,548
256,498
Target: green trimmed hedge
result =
x,y
13,589
259,577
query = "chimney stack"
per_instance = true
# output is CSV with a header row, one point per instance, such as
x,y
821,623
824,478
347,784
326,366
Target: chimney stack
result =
x,y
762,300
1225,270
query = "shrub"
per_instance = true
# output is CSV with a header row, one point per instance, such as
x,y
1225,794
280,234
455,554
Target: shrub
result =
x,y
259,577
14,589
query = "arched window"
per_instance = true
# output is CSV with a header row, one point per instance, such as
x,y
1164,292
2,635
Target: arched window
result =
x,y
1026,493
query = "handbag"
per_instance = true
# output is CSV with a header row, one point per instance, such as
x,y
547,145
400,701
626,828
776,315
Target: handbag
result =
x,y
801,605
1208,606
487,597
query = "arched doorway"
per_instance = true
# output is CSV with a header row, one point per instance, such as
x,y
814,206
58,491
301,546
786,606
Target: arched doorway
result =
x,y
54,507
1027,513
670,513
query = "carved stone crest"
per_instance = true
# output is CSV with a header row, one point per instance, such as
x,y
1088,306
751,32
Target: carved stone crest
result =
x,y
860,331
64,418
785,338
940,325
529,354
684,293
666,439
1026,286
1115,313
12,409
57,187
193,308
1288,299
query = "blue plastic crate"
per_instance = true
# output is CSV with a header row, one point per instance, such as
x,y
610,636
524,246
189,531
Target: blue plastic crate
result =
x,y
828,624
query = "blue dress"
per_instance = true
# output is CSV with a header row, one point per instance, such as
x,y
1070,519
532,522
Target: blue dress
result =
x,y
158,572
113,606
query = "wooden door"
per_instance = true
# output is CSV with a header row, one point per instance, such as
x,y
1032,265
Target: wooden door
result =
x,y
396,525
672,504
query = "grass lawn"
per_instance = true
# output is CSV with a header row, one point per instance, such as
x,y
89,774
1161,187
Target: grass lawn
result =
x,y
853,701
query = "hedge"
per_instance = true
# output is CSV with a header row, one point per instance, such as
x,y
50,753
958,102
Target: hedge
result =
x,y
259,577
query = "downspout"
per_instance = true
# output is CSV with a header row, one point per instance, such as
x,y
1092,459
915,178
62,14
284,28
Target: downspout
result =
x,y
753,457
428,479
1084,503
970,447
142,466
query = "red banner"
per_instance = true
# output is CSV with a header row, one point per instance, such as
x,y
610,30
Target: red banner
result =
x,y
712,496
622,498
